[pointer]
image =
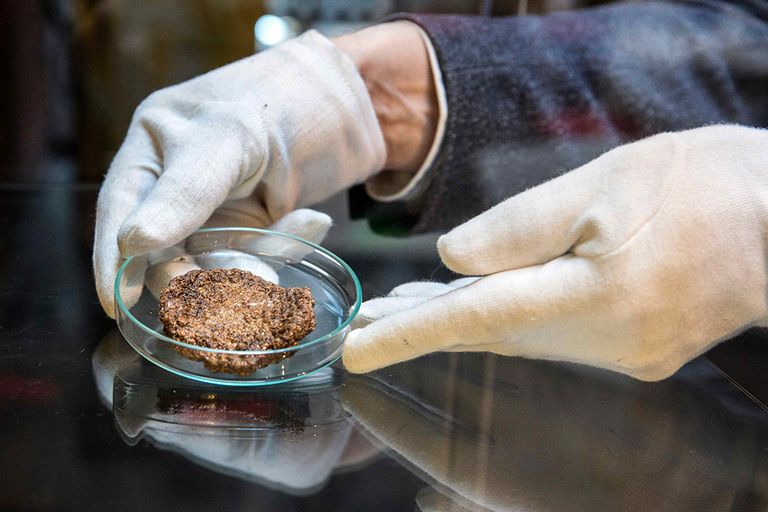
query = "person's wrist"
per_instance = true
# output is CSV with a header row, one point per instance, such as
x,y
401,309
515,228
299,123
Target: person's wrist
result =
x,y
393,61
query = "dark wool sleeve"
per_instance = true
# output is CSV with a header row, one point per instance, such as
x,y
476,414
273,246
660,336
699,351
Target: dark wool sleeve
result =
x,y
532,97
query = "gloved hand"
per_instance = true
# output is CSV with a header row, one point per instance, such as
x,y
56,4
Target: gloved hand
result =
x,y
279,130
636,262
166,264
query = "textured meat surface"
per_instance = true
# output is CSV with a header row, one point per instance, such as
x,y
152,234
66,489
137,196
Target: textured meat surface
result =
x,y
235,310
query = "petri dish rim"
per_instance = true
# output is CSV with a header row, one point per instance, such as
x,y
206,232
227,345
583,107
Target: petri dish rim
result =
x,y
233,383
358,298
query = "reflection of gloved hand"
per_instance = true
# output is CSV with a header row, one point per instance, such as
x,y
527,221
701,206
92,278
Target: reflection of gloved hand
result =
x,y
512,434
279,130
635,262
232,436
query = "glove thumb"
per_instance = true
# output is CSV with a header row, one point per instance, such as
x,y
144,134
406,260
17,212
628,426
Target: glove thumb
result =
x,y
597,206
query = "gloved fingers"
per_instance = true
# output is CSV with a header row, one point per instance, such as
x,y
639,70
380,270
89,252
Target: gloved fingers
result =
x,y
174,261
311,225
376,309
501,307
424,289
204,165
429,288
247,212
250,263
404,297
174,209
166,264
131,176
305,223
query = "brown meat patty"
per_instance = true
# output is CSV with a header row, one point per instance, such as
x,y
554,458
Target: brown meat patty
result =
x,y
234,310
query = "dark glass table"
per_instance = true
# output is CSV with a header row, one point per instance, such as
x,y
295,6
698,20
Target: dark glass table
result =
x,y
86,424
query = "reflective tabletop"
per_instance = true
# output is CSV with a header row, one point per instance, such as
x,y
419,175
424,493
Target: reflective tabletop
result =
x,y
87,424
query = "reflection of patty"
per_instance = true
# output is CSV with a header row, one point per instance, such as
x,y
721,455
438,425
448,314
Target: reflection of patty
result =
x,y
234,310
273,410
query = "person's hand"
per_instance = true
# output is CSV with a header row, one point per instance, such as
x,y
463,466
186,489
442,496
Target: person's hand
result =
x,y
258,138
636,262
164,265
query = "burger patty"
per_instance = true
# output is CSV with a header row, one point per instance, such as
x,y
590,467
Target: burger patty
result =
x,y
234,309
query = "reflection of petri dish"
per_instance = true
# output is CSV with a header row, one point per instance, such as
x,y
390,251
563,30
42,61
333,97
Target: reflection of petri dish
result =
x,y
146,403
296,262
288,437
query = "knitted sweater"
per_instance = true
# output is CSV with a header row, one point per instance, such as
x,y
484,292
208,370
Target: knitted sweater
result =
x,y
531,97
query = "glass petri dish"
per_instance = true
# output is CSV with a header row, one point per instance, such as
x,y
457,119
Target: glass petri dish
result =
x,y
289,259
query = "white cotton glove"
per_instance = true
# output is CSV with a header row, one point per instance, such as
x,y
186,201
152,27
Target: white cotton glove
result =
x,y
282,129
404,297
637,262
174,261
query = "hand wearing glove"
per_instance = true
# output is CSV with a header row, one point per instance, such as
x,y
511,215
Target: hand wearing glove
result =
x,y
262,136
637,262
404,297
174,261
255,139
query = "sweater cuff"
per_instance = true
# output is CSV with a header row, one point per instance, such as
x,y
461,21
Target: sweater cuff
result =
x,y
388,186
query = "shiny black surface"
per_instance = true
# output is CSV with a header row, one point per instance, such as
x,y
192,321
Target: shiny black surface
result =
x,y
86,424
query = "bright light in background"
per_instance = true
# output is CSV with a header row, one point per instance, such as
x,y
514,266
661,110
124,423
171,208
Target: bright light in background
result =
x,y
270,30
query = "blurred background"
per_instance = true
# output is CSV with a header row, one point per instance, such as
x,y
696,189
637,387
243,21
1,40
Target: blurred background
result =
x,y
75,70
